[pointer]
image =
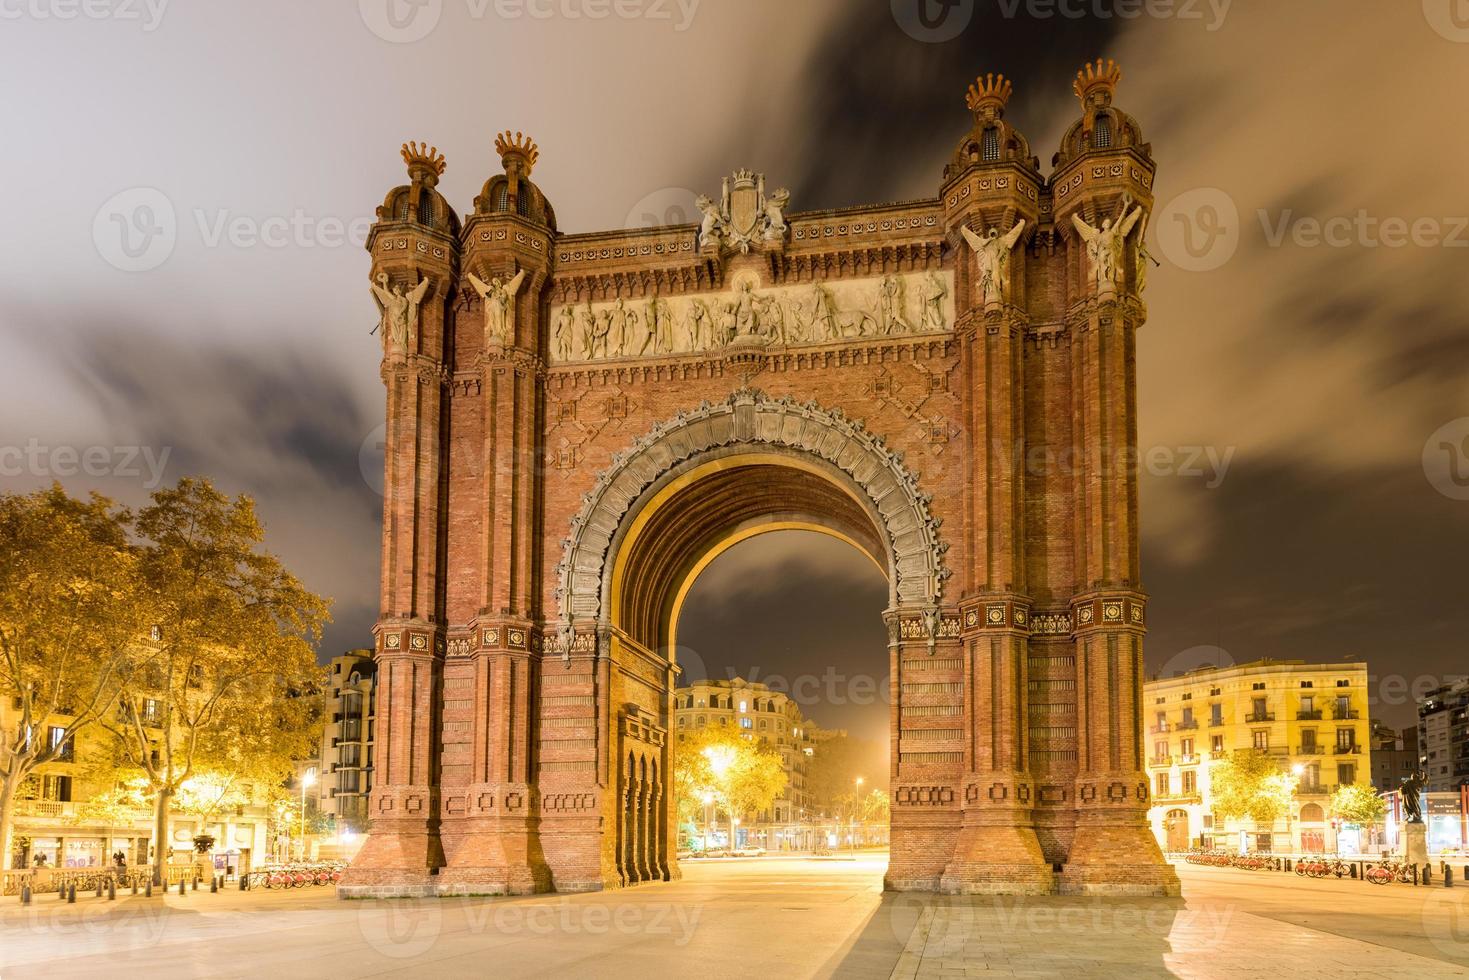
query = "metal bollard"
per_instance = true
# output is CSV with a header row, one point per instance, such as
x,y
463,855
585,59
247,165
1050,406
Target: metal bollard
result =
x,y
213,885
99,887
148,889
25,893
112,889
135,885
1287,865
182,883
1354,869
1448,876
244,882
71,894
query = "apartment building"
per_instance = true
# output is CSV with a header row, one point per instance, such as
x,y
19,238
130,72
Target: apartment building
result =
x,y
1310,718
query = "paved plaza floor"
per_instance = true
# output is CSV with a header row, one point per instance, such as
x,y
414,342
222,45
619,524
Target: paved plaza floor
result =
x,y
762,918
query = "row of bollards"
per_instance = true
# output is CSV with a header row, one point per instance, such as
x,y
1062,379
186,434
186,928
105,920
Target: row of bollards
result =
x,y
68,891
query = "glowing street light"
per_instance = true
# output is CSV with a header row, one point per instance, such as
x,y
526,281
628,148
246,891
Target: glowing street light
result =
x,y
308,778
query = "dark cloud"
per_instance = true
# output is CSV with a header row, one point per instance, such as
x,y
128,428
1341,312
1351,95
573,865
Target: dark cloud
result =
x,y
884,108
803,611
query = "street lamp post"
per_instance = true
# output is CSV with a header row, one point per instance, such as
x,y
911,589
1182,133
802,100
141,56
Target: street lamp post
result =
x,y
708,799
856,808
308,778
1290,840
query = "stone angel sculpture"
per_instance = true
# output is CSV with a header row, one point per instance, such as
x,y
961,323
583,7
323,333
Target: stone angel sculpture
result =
x,y
993,253
398,312
1105,247
498,297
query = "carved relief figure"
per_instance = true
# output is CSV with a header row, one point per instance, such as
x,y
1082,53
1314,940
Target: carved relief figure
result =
x,y
565,328
744,310
602,327
398,313
699,325
618,330
588,331
934,292
826,312
499,302
1105,247
993,255
890,307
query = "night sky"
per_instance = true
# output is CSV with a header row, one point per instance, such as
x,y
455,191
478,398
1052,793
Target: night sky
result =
x,y
1321,387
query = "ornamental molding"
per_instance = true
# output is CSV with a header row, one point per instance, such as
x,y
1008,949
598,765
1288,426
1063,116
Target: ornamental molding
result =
x,y
748,417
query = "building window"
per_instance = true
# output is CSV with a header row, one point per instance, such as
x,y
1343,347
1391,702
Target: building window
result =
x,y
1102,133
746,723
1346,774
1343,683
743,706
1160,749
990,145
1190,781
1346,739
1186,747
1258,686
1160,784
1308,683
1260,739
1308,740
1216,714
1217,745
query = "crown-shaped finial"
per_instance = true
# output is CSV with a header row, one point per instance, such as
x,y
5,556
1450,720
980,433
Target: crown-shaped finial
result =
x,y
988,90
423,160
516,146
1101,77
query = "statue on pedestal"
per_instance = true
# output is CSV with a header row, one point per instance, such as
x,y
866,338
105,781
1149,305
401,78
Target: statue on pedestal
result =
x,y
398,313
1412,795
498,297
993,255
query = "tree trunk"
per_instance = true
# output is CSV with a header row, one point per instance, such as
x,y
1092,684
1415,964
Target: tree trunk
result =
x,y
160,837
8,786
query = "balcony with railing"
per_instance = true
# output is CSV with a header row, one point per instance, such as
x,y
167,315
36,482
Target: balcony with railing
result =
x,y
1258,716
1188,797
1313,749
1308,714
1352,749
1345,714
1188,759
1218,754
1159,729
1161,760
1187,725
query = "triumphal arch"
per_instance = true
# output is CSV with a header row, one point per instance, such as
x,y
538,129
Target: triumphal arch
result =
x,y
577,422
